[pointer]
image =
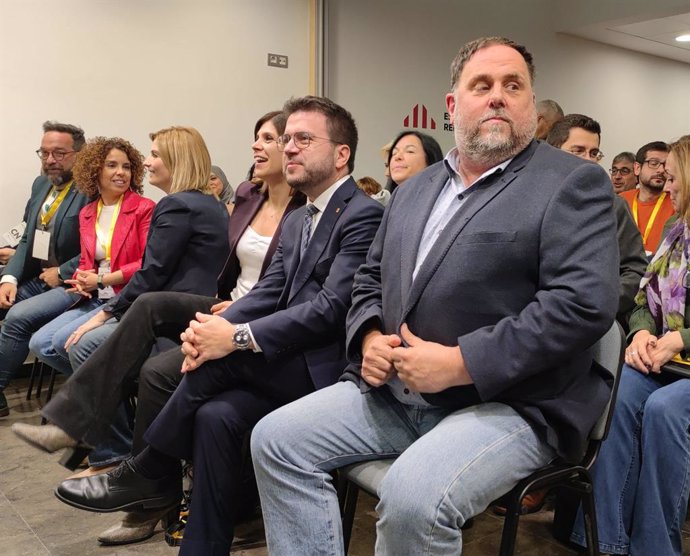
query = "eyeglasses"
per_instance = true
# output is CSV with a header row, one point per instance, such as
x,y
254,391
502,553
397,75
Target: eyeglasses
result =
x,y
57,155
594,154
621,171
654,163
302,140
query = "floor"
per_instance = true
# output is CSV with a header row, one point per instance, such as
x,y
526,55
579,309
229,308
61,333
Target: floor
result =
x,y
35,523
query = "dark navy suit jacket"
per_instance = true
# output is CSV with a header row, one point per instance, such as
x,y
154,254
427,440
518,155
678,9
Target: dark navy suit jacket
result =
x,y
297,310
186,247
23,266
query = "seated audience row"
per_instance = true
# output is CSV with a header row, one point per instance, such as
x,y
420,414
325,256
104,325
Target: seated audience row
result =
x,y
505,246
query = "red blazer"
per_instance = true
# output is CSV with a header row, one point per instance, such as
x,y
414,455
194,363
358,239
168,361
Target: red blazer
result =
x,y
129,236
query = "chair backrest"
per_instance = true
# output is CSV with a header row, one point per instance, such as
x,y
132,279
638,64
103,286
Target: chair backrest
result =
x,y
609,352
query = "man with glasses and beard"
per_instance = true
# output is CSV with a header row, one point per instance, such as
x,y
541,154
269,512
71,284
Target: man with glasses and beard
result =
x,y
492,273
650,205
31,286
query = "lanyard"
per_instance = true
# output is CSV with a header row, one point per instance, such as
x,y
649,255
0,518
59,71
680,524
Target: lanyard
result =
x,y
106,242
652,217
48,213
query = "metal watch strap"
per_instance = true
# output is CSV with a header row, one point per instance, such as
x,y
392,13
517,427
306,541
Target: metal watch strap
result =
x,y
241,339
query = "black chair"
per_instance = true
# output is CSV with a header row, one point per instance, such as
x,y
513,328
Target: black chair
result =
x,y
608,352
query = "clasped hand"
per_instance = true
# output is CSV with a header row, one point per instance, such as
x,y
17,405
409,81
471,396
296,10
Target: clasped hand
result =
x,y
425,367
206,338
85,282
647,353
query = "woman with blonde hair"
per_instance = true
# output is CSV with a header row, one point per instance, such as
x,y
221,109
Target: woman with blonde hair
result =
x,y
186,246
187,241
642,475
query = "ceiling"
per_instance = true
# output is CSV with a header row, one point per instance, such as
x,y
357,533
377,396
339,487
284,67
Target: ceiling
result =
x,y
649,27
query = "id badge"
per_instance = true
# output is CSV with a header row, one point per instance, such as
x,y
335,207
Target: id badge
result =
x,y
41,245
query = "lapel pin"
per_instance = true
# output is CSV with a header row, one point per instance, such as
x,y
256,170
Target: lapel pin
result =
x,y
337,210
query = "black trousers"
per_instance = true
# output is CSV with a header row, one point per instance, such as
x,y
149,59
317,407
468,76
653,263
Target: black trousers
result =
x,y
86,403
207,420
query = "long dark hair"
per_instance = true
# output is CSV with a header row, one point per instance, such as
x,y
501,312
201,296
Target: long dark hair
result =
x,y
432,151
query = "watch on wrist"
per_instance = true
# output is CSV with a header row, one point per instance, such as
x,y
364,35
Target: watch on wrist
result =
x,y
101,285
241,339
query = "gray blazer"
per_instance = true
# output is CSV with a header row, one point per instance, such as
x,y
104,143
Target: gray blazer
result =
x,y
524,279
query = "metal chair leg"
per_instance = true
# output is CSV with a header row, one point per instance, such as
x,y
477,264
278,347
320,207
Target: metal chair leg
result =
x,y
349,507
39,386
32,376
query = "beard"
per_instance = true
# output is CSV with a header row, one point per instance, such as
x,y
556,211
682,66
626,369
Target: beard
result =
x,y
311,176
493,147
63,178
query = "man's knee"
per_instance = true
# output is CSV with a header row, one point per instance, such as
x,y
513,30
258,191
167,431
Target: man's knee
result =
x,y
268,435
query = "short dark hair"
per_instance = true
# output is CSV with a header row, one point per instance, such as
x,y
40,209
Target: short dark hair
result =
x,y
341,125
625,156
76,132
466,52
432,150
561,129
653,146
276,117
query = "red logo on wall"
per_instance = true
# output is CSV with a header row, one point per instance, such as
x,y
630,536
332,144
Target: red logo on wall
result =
x,y
427,122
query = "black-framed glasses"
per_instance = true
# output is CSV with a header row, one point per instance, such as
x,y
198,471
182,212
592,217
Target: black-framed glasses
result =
x,y
621,171
302,140
654,163
57,155
594,154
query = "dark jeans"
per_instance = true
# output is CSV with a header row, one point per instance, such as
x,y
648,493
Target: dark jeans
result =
x,y
87,402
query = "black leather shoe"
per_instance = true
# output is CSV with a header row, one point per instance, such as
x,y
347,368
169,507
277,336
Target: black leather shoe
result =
x,y
122,489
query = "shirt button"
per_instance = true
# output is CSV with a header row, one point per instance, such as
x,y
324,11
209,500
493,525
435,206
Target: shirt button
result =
x,y
406,390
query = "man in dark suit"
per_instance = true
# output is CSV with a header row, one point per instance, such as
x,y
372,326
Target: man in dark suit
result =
x,y
282,340
31,286
492,274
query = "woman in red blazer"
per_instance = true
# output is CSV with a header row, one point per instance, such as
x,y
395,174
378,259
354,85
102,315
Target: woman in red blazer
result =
x,y
113,230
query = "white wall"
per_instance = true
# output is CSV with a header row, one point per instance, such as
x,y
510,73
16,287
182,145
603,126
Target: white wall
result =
x,y
387,56
129,67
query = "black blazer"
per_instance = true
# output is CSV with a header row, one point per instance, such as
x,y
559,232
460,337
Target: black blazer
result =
x,y
65,237
248,201
186,246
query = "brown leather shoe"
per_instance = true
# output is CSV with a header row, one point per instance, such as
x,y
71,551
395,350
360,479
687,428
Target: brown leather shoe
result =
x,y
531,503
90,471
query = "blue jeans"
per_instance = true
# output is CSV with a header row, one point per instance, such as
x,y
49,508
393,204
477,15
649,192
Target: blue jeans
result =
x,y
48,343
642,476
35,305
451,466
49,346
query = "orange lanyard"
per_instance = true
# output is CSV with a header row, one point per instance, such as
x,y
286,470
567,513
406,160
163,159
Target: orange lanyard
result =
x,y
652,218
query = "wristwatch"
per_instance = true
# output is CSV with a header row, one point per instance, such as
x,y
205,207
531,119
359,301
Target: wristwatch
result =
x,y
101,285
241,339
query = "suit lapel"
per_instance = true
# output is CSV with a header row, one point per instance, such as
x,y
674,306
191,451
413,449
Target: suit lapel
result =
x,y
476,201
88,239
123,225
426,193
322,234
62,211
